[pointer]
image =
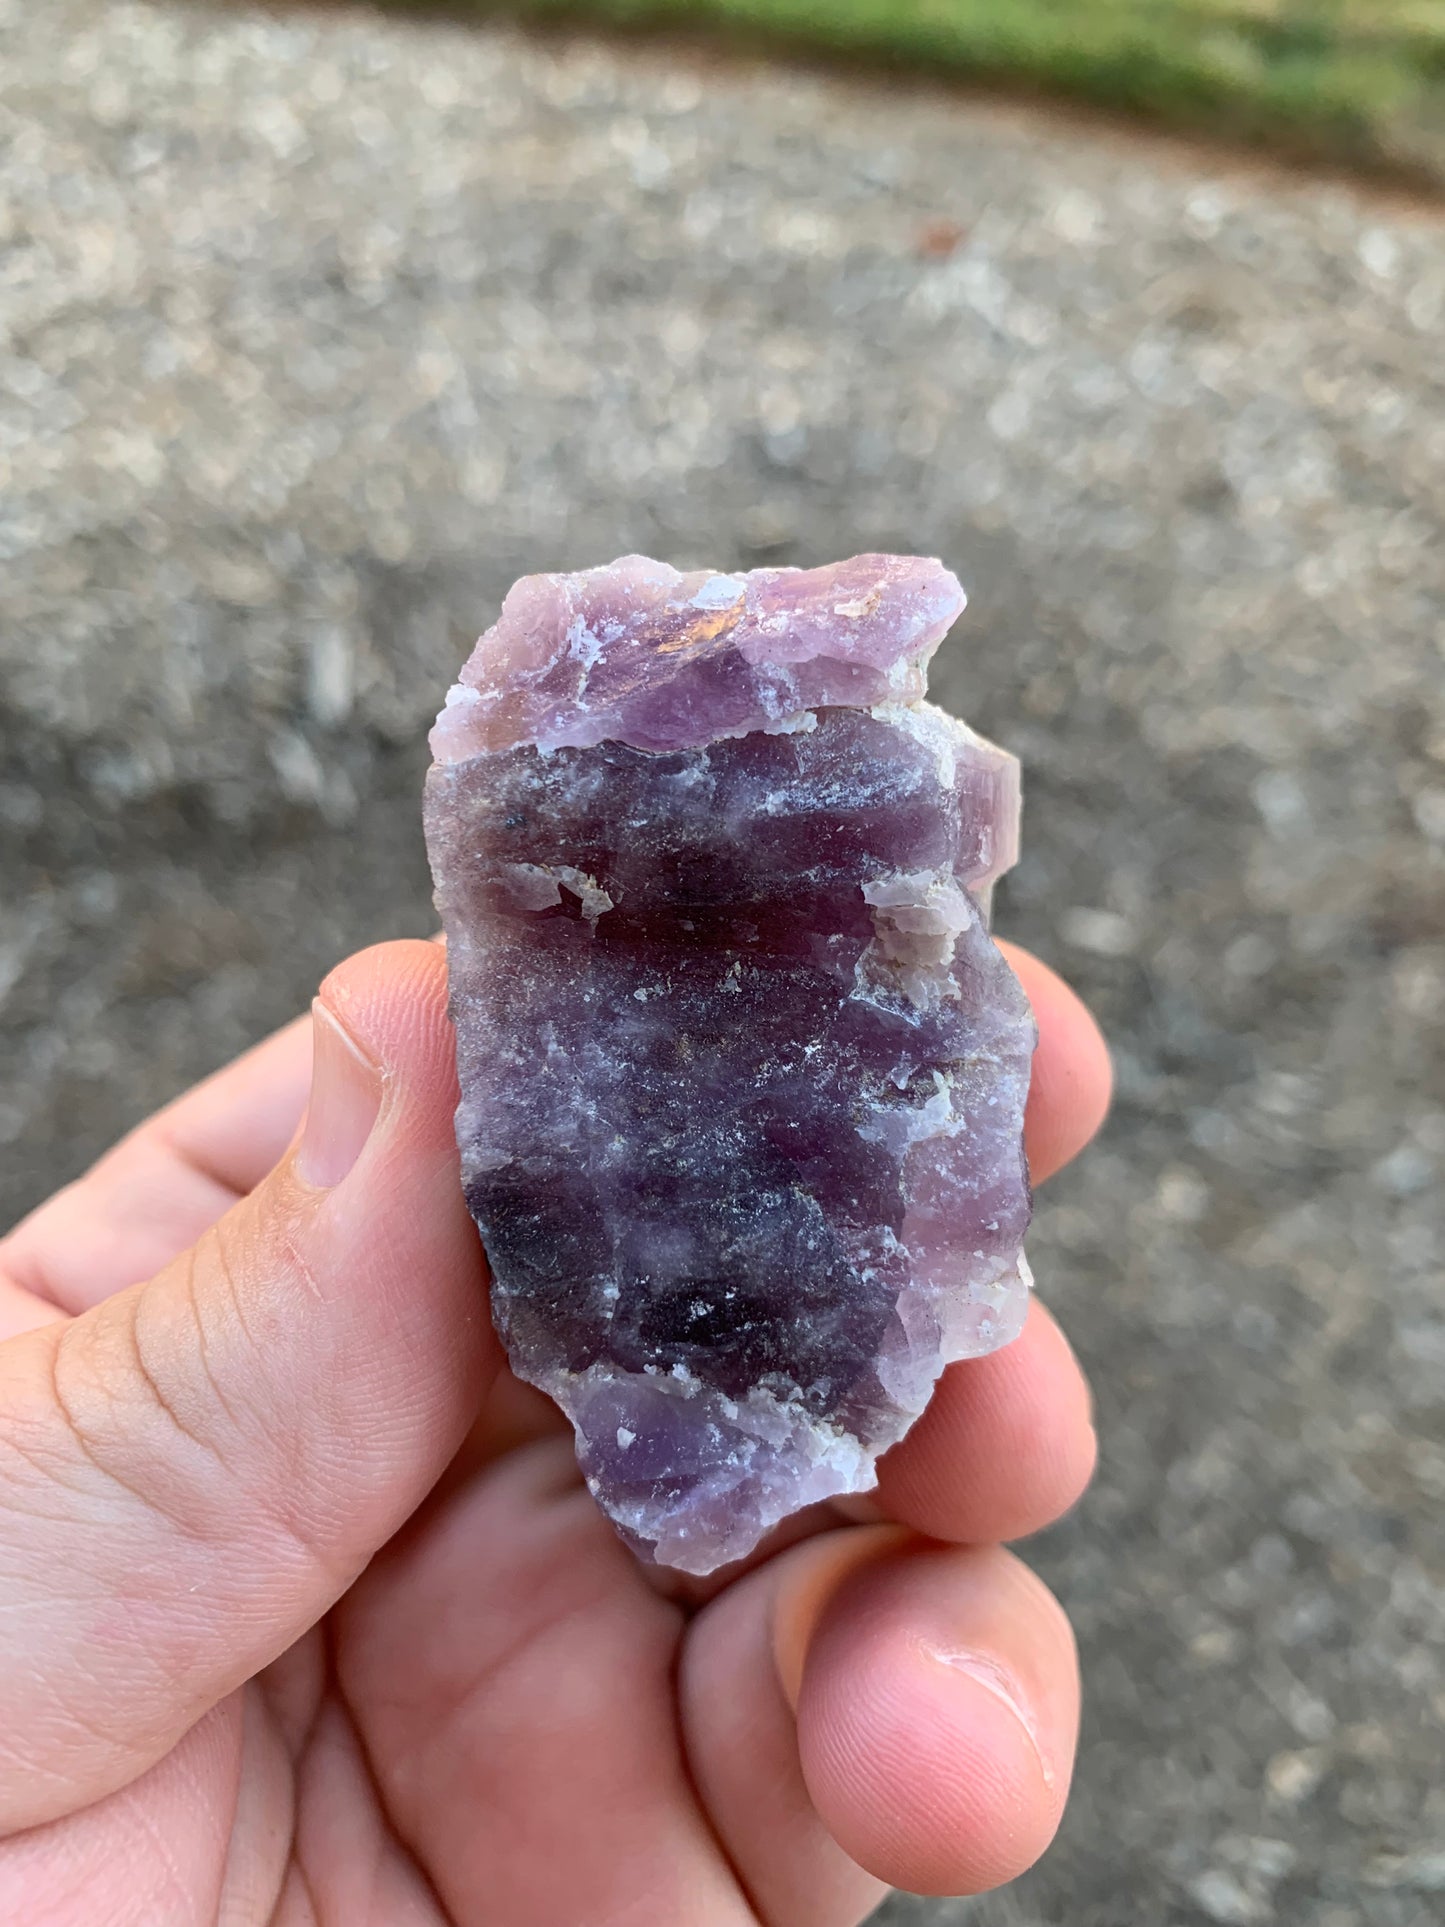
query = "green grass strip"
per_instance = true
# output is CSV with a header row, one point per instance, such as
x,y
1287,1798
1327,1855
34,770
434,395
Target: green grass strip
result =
x,y
1358,81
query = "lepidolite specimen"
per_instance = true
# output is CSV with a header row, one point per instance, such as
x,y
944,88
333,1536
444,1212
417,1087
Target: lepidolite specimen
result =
x,y
743,1074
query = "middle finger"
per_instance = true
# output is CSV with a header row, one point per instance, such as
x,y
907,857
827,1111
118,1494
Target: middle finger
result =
x,y
1005,1447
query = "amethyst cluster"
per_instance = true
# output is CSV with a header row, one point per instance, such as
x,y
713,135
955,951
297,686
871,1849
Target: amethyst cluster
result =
x,y
742,1072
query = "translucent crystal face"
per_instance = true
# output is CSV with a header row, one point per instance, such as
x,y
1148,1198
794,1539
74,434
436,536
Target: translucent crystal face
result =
x,y
742,1072
636,653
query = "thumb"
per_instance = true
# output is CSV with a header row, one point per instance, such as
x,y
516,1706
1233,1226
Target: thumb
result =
x,y
191,1473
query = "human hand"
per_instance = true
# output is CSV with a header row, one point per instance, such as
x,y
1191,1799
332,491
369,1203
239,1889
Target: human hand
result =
x,y
290,1634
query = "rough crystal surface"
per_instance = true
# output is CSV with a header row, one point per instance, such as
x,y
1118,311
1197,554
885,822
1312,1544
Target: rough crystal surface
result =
x,y
742,1072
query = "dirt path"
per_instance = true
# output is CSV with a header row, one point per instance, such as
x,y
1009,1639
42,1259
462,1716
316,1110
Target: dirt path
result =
x,y
314,333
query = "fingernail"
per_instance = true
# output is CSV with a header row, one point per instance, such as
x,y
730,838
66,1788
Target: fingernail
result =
x,y
995,1678
344,1103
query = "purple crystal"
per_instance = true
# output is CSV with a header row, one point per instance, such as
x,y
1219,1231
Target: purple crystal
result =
x,y
743,1074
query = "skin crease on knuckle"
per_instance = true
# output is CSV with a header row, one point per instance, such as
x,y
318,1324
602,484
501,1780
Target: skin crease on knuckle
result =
x,y
897,1747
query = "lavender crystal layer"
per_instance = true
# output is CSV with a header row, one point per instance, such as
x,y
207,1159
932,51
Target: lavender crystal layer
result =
x,y
743,1074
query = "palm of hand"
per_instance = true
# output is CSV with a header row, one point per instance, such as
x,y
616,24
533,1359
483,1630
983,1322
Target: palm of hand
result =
x,y
502,1717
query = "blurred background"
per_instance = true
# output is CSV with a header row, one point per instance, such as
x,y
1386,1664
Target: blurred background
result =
x,y
316,329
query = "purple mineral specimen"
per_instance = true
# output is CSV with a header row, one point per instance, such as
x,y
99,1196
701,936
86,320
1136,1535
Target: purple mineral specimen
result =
x,y
743,1074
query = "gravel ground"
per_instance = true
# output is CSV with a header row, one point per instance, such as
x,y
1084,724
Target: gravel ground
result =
x,y
314,333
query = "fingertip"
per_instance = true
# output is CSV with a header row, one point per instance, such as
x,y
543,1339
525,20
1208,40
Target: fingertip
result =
x,y
937,1719
1006,1446
391,999
1073,1076
407,976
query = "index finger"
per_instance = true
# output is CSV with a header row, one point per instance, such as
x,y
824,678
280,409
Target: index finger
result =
x,y
1073,1079
167,1182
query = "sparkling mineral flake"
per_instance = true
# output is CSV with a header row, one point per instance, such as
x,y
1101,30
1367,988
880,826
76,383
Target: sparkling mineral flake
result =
x,y
743,1074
